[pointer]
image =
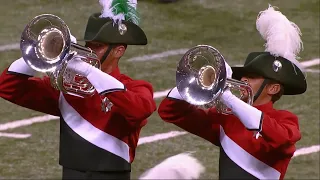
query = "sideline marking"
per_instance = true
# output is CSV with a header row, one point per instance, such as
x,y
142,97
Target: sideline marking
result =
x,y
9,47
161,136
14,135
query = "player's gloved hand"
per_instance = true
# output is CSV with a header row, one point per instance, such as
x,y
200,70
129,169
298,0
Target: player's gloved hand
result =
x,y
228,70
103,82
73,39
79,66
250,116
21,67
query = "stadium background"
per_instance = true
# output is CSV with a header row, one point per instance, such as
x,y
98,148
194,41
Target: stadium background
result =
x,y
29,148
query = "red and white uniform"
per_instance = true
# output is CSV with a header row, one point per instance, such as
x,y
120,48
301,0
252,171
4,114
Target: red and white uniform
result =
x,y
90,139
266,157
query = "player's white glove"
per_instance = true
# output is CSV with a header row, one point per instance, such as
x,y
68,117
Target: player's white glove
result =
x,y
173,93
21,67
228,70
73,39
250,116
102,82
79,66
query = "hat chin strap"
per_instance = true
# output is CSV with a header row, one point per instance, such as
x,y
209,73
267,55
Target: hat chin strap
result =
x,y
106,53
264,83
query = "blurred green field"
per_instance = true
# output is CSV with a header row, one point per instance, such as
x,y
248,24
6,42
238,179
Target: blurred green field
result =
x,y
228,25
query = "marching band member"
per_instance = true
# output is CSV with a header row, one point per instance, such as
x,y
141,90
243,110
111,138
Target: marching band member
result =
x,y
95,143
256,142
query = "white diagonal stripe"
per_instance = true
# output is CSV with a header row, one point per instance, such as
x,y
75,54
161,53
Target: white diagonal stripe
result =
x,y
90,133
245,160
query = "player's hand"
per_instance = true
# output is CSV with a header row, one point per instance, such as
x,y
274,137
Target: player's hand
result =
x,y
79,66
73,39
228,70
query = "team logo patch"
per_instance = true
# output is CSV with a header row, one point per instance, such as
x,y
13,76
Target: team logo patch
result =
x,y
106,105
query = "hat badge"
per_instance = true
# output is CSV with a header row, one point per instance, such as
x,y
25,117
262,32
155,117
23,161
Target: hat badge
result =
x,y
276,66
122,28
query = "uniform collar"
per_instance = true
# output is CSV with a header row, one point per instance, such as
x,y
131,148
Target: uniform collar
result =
x,y
115,73
265,107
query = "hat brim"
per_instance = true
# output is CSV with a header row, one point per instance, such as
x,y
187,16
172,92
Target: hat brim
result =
x,y
107,31
239,71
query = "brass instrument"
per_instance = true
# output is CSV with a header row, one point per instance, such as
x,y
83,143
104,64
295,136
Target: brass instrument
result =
x,y
201,79
46,47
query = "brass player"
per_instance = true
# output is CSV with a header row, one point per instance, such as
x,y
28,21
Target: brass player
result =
x,y
94,143
256,142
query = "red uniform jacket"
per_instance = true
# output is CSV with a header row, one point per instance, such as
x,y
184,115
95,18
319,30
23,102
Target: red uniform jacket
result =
x,y
89,138
264,158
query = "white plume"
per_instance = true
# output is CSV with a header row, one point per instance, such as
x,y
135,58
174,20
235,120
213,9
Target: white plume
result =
x,y
133,3
281,35
181,166
107,10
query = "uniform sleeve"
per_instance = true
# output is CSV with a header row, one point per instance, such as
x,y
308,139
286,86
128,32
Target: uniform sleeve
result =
x,y
202,123
282,131
19,87
135,103
134,99
279,131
